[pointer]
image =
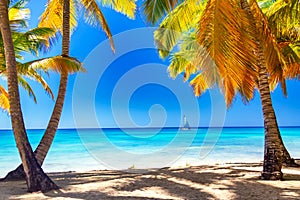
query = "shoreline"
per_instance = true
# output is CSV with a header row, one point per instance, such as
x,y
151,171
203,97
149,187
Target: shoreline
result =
x,y
175,165
218,181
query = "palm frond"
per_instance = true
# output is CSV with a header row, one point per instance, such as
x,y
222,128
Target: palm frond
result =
x,y
17,3
223,35
199,83
53,15
18,15
156,9
34,40
265,5
94,16
182,19
206,79
284,16
2,56
25,85
292,53
185,59
127,7
33,74
179,64
60,64
4,102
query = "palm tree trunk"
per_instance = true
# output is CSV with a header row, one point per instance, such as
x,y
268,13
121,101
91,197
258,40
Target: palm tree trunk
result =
x,y
273,144
48,137
36,179
47,140
66,29
273,150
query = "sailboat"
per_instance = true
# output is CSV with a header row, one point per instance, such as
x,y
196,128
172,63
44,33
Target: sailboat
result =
x,y
186,125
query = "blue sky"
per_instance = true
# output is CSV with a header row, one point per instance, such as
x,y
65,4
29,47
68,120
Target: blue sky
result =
x,y
133,88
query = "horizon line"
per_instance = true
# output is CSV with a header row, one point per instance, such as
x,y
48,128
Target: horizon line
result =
x,y
168,127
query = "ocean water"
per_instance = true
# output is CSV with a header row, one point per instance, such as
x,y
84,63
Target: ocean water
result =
x,y
95,149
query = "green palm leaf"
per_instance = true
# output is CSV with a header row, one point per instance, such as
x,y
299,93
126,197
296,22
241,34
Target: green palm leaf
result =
x,y
284,16
33,74
18,15
34,40
156,9
94,16
292,53
60,64
182,19
184,59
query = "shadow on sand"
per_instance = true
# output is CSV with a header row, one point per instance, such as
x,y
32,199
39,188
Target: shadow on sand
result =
x,y
237,181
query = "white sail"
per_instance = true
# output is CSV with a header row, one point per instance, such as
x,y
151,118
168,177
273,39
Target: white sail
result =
x,y
186,125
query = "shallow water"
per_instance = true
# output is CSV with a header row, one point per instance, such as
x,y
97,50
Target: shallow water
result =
x,y
93,149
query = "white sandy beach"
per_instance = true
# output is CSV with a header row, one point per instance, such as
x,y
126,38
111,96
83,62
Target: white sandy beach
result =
x,y
226,181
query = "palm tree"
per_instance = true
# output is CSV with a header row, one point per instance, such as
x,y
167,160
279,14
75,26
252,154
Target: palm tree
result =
x,y
242,34
273,151
283,17
62,16
35,177
204,81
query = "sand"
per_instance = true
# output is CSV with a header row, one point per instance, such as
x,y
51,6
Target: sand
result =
x,y
226,181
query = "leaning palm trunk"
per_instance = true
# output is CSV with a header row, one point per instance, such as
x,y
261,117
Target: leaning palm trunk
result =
x,y
45,144
48,137
36,179
286,158
272,152
47,140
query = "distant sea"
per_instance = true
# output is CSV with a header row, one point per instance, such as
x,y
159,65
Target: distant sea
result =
x,y
96,149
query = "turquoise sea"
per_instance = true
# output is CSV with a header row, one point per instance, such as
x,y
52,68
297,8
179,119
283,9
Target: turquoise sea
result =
x,y
94,149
